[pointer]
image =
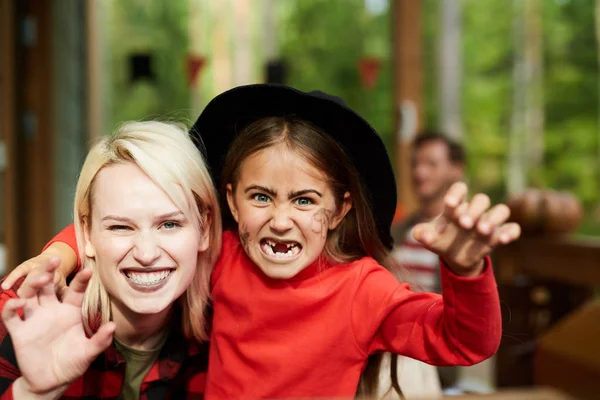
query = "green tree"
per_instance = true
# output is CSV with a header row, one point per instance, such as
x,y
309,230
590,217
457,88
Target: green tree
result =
x,y
322,42
159,29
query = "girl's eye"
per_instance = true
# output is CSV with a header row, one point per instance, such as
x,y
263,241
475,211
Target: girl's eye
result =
x,y
171,225
303,201
261,198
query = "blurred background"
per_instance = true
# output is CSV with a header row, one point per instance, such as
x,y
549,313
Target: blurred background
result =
x,y
517,82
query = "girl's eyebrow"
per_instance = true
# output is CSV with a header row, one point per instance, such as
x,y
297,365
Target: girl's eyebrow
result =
x,y
268,191
291,195
298,193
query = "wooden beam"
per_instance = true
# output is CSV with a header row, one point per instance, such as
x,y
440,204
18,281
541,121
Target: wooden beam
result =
x,y
572,260
34,147
95,98
408,76
7,125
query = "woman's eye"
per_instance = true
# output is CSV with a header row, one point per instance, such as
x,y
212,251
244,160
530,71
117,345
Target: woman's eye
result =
x,y
303,201
118,227
261,198
171,225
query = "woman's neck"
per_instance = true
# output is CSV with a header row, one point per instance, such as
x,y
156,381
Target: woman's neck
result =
x,y
140,331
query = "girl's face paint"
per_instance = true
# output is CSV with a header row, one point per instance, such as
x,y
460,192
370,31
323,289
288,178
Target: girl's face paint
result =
x,y
285,209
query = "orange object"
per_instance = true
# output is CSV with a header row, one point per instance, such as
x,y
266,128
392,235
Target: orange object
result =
x,y
369,71
400,214
194,66
546,211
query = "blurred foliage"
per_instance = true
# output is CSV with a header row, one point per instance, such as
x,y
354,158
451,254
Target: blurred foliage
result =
x,y
159,29
322,42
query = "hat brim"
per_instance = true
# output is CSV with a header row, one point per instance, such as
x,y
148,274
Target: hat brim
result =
x,y
230,112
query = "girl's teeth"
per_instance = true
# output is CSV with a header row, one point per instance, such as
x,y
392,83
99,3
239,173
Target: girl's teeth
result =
x,y
292,249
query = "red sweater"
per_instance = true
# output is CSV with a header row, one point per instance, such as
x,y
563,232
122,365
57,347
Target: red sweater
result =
x,y
310,336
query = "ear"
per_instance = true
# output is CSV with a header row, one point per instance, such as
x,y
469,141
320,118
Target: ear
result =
x,y
90,251
344,208
231,202
205,234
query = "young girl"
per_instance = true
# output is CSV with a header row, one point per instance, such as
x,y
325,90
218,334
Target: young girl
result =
x,y
300,296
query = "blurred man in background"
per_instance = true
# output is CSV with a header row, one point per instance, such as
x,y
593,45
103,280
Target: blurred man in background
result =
x,y
437,162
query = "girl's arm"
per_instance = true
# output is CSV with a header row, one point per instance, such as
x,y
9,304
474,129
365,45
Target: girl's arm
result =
x,y
62,246
463,327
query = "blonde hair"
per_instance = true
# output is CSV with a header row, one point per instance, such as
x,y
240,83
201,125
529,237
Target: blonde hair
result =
x,y
167,154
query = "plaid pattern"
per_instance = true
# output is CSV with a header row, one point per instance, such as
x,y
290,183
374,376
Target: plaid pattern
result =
x,y
179,372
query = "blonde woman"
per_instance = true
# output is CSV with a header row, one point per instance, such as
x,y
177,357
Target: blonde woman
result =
x,y
148,229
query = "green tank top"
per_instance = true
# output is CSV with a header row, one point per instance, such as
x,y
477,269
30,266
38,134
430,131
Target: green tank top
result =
x,y
137,365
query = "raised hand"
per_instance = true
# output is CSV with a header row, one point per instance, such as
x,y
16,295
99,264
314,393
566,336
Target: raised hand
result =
x,y
466,232
50,344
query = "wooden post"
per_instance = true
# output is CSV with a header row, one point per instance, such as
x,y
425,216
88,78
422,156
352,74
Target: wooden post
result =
x,y
450,68
407,54
33,129
197,45
7,127
96,73
221,50
242,43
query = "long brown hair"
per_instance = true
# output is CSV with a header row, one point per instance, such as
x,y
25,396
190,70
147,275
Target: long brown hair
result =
x,y
356,236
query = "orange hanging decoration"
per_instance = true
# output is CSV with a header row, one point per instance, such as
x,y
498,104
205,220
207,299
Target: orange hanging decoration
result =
x,y
195,63
369,70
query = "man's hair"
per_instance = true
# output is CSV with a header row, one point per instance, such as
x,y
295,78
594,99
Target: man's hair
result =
x,y
456,152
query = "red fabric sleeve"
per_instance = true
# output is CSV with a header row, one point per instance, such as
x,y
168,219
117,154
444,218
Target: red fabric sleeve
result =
x,y
67,236
463,327
8,393
9,370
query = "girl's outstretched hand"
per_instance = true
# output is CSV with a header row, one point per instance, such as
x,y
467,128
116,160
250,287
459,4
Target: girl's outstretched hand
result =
x,y
467,231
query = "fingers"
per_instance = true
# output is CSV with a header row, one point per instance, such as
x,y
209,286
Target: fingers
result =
x,y
17,273
25,269
464,220
74,294
60,284
456,195
47,294
38,278
506,233
14,276
32,285
494,218
423,233
458,209
101,340
10,315
478,205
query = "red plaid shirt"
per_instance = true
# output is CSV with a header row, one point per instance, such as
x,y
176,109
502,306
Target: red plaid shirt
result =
x,y
179,372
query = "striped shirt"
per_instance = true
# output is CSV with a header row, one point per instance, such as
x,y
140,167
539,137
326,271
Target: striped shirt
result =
x,y
423,266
